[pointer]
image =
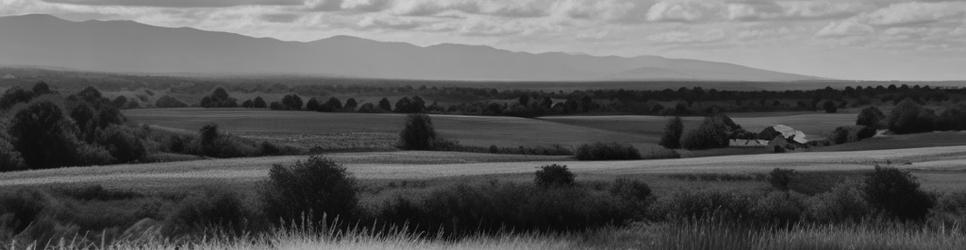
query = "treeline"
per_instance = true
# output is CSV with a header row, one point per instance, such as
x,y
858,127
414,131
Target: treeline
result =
x,y
41,128
529,103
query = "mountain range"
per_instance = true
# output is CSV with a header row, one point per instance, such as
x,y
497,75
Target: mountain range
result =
x,y
131,47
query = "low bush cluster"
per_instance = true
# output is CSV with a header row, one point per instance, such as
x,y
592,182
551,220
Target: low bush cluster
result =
x,y
607,151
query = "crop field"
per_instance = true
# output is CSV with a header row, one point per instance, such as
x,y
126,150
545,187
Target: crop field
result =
x,y
815,125
378,131
946,165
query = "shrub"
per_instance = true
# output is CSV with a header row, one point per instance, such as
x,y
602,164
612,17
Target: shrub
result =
x,y
332,105
384,105
10,159
122,144
870,117
317,190
46,138
712,133
703,203
292,102
844,203
607,151
779,208
495,208
554,176
830,107
896,193
209,212
169,102
259,103
953,118
780,178
909,117
418,133
313,105
849,134
672,133
219,98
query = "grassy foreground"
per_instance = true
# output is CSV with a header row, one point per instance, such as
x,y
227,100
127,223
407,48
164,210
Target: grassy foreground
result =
x,y
702,234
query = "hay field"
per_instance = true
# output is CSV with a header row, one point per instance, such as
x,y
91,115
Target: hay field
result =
x,y
815,125
378,131
425,165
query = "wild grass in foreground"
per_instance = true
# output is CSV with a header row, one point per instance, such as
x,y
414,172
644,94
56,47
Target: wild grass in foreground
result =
x,y
686,234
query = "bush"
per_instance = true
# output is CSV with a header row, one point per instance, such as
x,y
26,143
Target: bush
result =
x,y
219,99
122,144
554,176
909,117
10,159
703,203
870,117
896,193
317,190
46,138
779,208
844,203
208,212
497,208
780,178
607,151
292,102
953,118
169,102
259,103
418,133
849,134
213,143
672,133
830,107
712,133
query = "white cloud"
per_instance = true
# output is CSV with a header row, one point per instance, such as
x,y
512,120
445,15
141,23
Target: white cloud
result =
x,y
845,28
681,11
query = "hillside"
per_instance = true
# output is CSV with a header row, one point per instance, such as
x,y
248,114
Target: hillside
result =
x,y
128,47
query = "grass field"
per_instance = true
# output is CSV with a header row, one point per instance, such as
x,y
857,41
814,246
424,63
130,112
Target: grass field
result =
x,y
815,125
947,165
378,131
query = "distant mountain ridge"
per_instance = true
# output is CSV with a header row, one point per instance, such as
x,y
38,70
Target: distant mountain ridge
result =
x,y
130,47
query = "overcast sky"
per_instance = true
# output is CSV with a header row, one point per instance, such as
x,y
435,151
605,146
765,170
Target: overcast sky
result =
x,y
843,39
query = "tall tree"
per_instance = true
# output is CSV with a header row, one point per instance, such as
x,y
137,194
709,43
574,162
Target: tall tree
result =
x,y
672,133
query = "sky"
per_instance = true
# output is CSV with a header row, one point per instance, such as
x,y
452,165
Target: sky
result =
x,y
839,39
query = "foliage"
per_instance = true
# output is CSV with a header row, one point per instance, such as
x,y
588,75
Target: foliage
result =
x,y
219,98
418,133
672,133
844,203
554,176
871,117
712,133
849,134
259,103
780,178
46,138
830,107
910,117
292,102
897,194
208,211
169,102
317,190
607,151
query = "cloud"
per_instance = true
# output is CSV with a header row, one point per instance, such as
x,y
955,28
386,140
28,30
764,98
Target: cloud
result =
x,y
915,13
681,11
177,3
679,37
845,28
280,17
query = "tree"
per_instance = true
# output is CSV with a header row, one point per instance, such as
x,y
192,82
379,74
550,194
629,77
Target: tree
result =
x,y
672,133
317,190
10,159
332,105
219,98
259,103
712,133
313,105
896,193
44,136
554,176
909,117
247,104
830,107
350,105
292,102
384,105
402,105
524,100
870,117
169,102
368,108
418,133
120,101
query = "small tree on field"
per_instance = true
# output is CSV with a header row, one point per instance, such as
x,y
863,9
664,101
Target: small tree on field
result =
x,y
672,133
384,105
896,193
259,103
313,105
418,133
910,117
870,117
830,107
318,190
554,176
350,105
780,178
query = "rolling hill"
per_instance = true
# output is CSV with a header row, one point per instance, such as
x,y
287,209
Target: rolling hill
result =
x,y
130,47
